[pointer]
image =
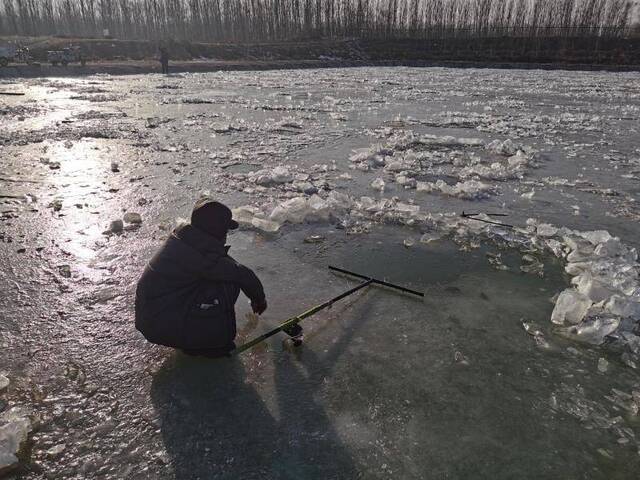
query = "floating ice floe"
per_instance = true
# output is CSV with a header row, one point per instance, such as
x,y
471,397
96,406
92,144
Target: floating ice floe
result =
x,y
603,365
605,297
507,147
378,184
374,156
495,171
537,334
408,156
528,195
279,175
468,190
495,260
449,141
294,210
335,207
404,180
571,307
15,426
430,237
531,264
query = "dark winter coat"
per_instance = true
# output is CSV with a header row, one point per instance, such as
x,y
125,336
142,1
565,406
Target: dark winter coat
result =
x,y
186,295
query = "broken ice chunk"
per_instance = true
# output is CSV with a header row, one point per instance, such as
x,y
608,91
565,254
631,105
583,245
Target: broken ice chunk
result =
x,y
405,181
467,190
244,215
571,307
529,195
531,264
281,175
596,237
546,230
556,247
594,288
373,155
507,148
603,365
266,177
459,358
305,187
537,334
378,184
407,208
314,239
339,201
520,159
294,211
319,209
593,331
581,249
629,360
495,260
611,248
265,225
430,237
15,426
623,307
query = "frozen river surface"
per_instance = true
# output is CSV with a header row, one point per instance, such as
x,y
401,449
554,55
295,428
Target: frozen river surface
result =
x,y
369,169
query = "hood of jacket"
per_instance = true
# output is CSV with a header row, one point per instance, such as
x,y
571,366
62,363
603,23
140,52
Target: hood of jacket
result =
x,y
200,240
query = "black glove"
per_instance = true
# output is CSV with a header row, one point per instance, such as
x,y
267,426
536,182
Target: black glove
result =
x,y
259,307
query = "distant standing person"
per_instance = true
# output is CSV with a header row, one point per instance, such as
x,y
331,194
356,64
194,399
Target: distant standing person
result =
x,y
164,60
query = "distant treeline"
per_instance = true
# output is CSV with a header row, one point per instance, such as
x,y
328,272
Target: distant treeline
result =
x,y
255,20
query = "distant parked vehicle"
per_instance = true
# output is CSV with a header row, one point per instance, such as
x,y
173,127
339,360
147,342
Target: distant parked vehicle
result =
x,y
14,54
65,56
7,54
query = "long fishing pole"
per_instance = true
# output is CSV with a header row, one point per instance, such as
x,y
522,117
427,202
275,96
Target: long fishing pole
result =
x,y
377,281
298,318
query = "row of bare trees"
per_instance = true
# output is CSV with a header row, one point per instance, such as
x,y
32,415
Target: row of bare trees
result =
x,y
252,20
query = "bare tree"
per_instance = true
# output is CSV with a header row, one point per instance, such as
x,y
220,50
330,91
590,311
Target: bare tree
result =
x,y
253,20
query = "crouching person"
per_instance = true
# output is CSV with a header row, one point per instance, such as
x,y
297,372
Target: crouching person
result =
x,y
185,298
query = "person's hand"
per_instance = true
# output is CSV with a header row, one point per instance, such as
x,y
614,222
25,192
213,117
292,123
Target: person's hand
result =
x,y
259,307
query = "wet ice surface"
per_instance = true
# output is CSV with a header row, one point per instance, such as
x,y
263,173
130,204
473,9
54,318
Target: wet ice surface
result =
x,y
367,169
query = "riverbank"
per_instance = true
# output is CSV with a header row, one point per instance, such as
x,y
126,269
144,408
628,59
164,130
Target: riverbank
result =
x,y
121,57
